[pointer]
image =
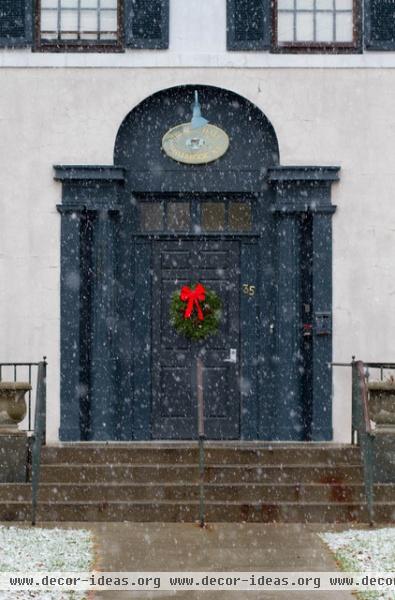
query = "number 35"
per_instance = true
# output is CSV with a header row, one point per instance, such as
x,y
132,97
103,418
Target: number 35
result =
x,y
249,290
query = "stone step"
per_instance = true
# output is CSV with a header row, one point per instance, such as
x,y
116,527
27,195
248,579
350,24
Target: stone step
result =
x,y
142,473
162,453
168,511
249,492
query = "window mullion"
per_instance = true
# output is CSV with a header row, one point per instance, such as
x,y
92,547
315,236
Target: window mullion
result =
x,y
334,20
79,20
98,20
59,19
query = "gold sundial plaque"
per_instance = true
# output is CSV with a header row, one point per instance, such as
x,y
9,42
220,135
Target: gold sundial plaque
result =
x,y
195,146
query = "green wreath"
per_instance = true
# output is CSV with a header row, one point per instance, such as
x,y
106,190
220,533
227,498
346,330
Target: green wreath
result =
x,y
192,327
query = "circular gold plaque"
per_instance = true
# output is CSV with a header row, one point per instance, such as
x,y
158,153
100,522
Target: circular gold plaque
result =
x,y
195,146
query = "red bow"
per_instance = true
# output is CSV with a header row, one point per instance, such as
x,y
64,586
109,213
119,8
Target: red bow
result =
x,y
193,297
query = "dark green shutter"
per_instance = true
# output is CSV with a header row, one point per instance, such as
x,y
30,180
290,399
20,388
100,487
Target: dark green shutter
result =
x,y
379,24
16,22
249,24
146,23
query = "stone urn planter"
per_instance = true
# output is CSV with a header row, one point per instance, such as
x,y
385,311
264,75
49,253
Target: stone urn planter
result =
x,y
12,403
382,404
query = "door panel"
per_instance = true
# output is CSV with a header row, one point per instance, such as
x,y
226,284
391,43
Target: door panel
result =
x,y
215,264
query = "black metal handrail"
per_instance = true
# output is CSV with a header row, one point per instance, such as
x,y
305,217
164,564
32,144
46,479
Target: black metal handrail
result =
x,y
36,425
39,432
202,437
361,429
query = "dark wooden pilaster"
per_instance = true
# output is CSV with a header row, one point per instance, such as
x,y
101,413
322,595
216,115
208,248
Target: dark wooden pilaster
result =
x,y
142,342
103,405
70,289
321,412
288,413
88,209
304,191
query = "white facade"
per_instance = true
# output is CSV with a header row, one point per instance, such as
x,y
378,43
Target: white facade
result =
x,y
326,110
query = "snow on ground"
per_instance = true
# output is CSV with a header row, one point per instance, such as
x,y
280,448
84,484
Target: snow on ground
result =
x,y
365,550
23,549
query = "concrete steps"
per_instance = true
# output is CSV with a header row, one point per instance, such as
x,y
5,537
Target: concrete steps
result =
x,y
254,482
188,473
216,453
182,491
174,511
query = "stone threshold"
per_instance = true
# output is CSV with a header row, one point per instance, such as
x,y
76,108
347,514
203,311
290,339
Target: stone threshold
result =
x,y
226,444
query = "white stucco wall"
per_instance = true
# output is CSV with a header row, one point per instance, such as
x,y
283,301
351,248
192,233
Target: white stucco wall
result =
x,y
321,117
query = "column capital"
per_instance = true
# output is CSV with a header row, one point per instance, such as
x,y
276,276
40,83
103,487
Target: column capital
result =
x,y
79,209
81,173
286,208
303,174
303,189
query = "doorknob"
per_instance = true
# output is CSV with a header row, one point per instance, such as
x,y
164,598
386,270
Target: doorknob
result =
x,y
232,356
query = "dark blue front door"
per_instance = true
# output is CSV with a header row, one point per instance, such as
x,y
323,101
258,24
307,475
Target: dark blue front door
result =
x,y
215,264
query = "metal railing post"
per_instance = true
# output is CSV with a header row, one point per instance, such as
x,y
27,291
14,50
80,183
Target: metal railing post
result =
x,y
201,435
39,435
365,434
368,442
354,402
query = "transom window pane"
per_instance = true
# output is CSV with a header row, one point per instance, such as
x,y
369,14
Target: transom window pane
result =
x,y
151,216
175,216
81,20
178,216
320,21
213,216
239,216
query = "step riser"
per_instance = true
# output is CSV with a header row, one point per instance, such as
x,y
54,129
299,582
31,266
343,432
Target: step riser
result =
x,y
190,474
324,493
266,493
173,456
266,513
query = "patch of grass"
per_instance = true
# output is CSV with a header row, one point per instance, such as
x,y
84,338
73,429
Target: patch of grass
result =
x,y
363,550
23,549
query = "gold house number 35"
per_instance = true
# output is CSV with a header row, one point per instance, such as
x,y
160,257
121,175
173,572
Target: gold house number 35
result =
x,y
248,289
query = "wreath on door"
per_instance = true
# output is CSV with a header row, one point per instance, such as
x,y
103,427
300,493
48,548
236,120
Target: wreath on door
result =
x,y
195,313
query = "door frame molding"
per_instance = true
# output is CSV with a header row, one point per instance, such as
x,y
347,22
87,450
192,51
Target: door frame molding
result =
x,y
99,192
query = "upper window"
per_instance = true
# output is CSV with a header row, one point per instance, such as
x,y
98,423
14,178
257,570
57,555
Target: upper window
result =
x,y
321,24
296,25
65,25
79,21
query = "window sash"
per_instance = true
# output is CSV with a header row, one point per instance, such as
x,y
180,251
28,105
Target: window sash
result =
x,y
316,44
63,37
